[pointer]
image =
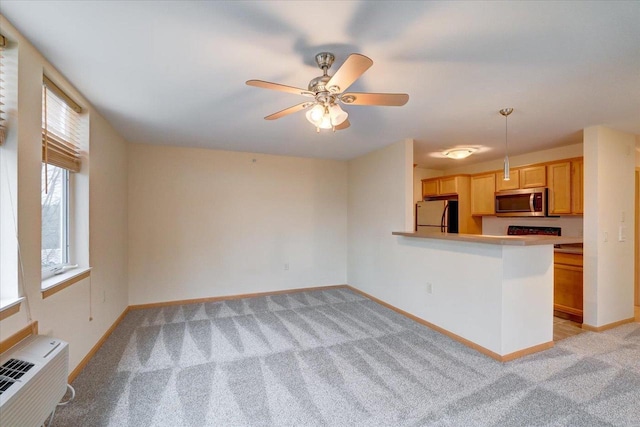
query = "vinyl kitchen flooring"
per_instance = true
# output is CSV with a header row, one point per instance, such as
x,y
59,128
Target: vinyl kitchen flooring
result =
x,y
563,328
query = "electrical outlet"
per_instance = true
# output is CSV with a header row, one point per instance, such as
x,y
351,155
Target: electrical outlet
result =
x,y
429,288
286,266
606,236
622,233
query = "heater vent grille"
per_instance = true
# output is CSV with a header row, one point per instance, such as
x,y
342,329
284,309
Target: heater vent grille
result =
x,y
33,374
11,370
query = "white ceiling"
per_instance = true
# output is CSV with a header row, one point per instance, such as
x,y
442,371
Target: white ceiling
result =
x,y
174,72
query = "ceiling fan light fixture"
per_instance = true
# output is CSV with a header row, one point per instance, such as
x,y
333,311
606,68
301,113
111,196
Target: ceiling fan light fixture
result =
x,y
315,114
326,117
459,153
325,123
337,114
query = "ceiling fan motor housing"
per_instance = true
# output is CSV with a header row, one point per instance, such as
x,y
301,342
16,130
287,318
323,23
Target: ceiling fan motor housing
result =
x,y
319,84
325,60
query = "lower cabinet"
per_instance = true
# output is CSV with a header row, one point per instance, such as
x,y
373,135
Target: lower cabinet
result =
x,y
567,290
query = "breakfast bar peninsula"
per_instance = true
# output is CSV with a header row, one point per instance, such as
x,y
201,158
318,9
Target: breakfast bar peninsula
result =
x,y
493,293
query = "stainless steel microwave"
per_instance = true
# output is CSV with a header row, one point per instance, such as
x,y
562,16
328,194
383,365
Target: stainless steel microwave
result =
x,y
525,202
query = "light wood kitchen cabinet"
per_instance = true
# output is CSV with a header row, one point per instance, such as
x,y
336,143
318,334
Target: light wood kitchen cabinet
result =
x,y
559,183
533,176
483,189
512,184
442,186
567,288
564,179
449,185
429,187
577,186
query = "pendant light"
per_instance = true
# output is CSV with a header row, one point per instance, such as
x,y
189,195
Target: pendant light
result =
x,y
505,112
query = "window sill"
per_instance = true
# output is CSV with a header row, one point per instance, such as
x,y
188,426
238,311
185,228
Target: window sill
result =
x,y
9,307
57,283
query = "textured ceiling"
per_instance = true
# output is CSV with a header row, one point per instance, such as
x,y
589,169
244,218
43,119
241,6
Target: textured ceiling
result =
x,y
174,72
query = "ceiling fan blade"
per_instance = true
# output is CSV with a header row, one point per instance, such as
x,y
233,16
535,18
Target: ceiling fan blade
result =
x,y
353,67
288,111
277,86
343,125
387,99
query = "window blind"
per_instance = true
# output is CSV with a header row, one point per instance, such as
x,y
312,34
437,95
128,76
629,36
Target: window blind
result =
x,y
3,118
60,128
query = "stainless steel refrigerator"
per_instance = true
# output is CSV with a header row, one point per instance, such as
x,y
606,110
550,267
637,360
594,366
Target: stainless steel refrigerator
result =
x,y
437,216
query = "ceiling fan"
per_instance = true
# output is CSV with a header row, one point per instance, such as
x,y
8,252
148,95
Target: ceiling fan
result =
x,y
328,92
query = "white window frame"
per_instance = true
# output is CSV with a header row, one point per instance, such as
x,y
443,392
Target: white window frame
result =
x,y
66,228
10,293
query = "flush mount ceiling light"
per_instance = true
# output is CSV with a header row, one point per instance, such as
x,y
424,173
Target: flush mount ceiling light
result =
x,y
327,91
505,112
459,153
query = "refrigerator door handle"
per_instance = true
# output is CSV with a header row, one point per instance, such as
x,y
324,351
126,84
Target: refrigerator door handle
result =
x,y
443,220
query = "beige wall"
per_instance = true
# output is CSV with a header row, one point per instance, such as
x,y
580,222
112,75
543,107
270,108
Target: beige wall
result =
x,y
66,314
637,237
205,223
609,165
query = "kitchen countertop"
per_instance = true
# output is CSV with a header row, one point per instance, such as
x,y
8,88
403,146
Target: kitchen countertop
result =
x,y
494,240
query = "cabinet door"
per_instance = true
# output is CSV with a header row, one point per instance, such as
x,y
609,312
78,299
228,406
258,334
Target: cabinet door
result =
x,y
559,179
512,184
429,187
448,185
534,176
568,285
483,189
577,186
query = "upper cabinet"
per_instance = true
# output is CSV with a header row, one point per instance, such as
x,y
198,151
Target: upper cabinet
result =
x,y
483,194
429,187
577,186
559,179
563,178
527,177
450,184
512,184
533,176
441,186
565,182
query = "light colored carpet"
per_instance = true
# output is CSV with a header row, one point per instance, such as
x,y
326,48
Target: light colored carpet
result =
x,y
335,358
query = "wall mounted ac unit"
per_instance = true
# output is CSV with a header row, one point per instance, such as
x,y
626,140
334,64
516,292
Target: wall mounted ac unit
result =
x,y
33,380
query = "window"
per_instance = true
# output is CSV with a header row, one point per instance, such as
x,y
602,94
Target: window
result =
x,y
60,160
3,119
9,285
55,218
